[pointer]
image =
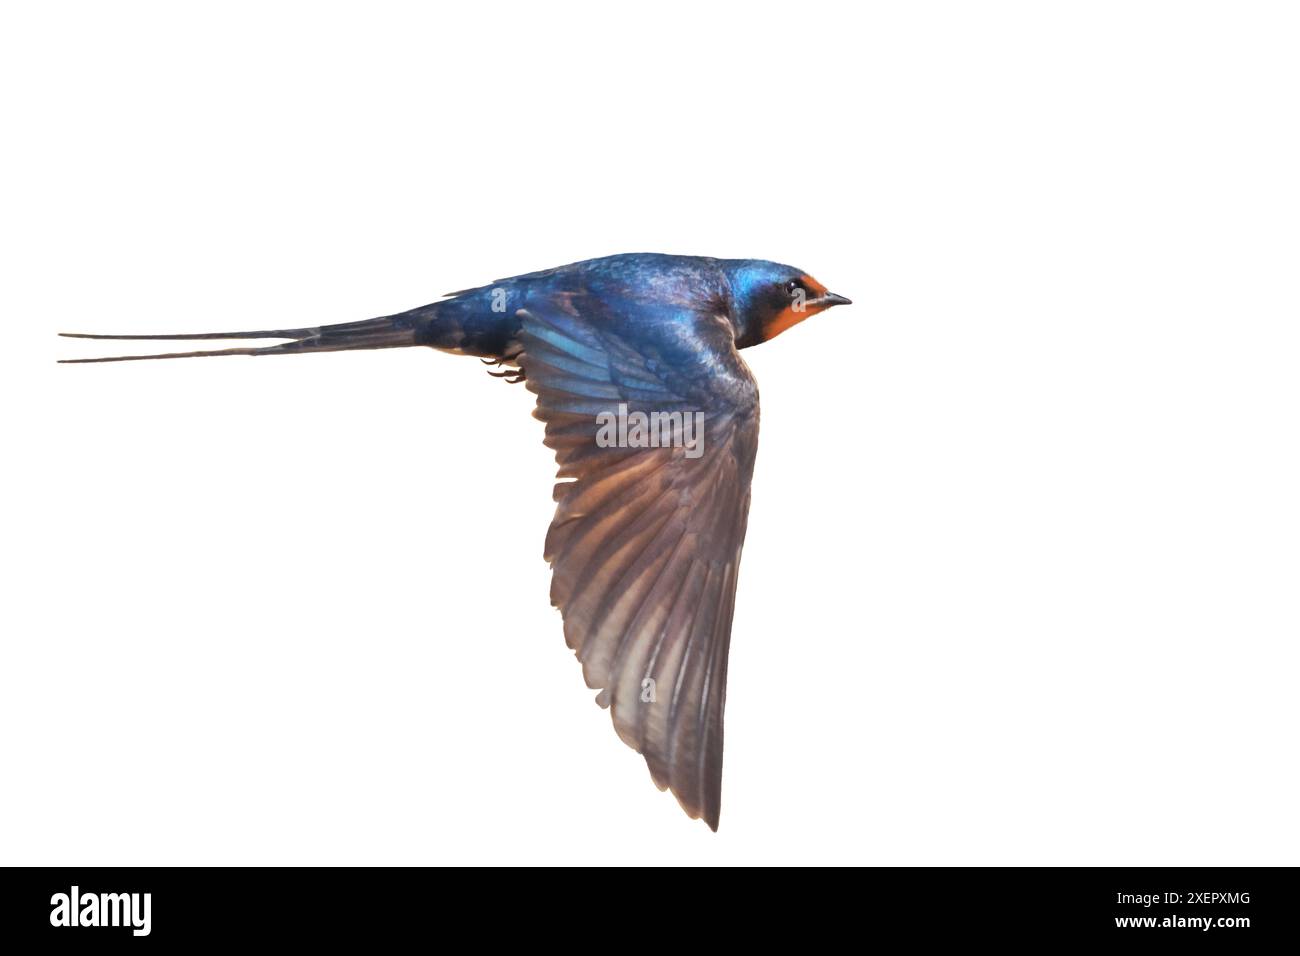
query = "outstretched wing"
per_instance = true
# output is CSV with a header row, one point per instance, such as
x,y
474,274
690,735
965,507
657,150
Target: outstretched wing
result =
x,y
646,541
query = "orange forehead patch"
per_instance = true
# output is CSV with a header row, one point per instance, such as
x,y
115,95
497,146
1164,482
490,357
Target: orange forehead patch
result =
x,y
797,310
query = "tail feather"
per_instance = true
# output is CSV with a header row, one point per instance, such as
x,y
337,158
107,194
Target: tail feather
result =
x,y
386,332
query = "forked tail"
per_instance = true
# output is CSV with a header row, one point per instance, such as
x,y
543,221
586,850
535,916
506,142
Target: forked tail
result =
x,y
387,332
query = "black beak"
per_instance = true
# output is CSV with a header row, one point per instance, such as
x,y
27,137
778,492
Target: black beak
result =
x,y
830,298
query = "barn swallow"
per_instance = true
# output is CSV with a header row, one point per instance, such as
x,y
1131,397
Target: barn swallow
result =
x,y
626,355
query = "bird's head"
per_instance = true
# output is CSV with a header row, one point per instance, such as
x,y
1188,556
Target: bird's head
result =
x,y
770,297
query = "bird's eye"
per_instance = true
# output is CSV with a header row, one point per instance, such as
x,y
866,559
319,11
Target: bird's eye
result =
x,y
793,286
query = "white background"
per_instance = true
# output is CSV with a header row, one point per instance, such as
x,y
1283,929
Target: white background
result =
x,y
1021,577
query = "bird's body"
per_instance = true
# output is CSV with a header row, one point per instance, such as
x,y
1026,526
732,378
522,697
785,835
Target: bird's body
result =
x,y
645,544
659,290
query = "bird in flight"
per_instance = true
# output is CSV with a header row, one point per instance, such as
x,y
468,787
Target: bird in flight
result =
x,y
653,418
